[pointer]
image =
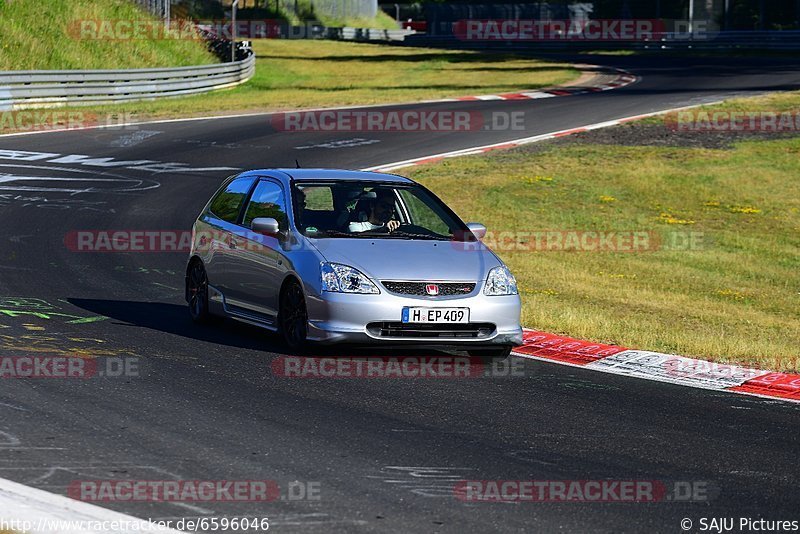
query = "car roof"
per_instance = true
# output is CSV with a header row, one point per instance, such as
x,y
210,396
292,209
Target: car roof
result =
x,y
301,175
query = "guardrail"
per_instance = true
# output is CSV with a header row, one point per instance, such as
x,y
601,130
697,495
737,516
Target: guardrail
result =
x,y
367,34
710,41
731,40
263,29
50,88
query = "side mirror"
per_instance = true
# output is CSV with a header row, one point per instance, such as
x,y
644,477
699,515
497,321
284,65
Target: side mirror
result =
x,y
265,225
478,229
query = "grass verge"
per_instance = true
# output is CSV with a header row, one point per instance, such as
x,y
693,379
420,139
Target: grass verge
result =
x,y
41,35
304,74
382,21
731,296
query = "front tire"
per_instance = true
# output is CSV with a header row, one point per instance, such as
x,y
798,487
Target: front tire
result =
x,y
197,293
293,317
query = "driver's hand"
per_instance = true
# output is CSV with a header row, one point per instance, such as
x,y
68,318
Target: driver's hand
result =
x,y
393,225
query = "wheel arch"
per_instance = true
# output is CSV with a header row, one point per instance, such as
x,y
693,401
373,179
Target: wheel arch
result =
x,y
288,279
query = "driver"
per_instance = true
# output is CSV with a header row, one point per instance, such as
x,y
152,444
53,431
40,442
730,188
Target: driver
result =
x,y
299,206
381,210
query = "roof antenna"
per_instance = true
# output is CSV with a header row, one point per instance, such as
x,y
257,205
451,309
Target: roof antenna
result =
x,y
297,163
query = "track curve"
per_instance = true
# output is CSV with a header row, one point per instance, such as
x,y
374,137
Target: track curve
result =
x,y
386,453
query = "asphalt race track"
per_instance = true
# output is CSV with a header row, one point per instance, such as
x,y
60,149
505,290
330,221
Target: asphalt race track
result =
x,y
384,453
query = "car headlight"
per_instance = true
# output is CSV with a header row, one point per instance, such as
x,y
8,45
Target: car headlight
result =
x,y
338,278
500,282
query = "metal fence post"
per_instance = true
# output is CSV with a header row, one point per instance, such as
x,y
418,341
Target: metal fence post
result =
x,y
234,7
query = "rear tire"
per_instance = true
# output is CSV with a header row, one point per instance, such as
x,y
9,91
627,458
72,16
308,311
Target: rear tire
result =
x,y
293,317
197,292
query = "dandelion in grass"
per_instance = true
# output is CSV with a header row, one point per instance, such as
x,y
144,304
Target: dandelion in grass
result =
x,y
732,294
749,210
538,178
607,198
668,218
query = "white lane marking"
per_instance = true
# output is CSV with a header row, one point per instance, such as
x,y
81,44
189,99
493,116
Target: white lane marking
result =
x,y
23,503
192,508
526,140
8,178
12,406
7,439
104,162
343,143
134,138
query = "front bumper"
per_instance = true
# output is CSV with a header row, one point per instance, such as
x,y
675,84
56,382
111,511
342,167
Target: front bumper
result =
x,y
353,318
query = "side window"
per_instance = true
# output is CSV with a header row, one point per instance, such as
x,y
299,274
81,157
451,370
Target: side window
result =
x,y
227,204
267,201
422,214
318,198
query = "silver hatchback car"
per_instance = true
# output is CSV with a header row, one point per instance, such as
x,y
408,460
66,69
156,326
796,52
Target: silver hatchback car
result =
x,y
331,256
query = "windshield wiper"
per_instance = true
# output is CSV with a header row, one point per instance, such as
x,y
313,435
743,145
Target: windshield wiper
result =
x,y
411,235
397,234
335,233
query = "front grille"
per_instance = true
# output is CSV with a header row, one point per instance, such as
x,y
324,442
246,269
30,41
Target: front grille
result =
x,y
446,289
432,330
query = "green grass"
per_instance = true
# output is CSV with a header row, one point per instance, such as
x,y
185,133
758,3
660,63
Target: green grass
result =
x,y
303,74
306,12
735,299
788,101
381,22
38,35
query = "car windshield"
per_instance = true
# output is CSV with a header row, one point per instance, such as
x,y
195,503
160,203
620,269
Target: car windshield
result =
x,y
353,209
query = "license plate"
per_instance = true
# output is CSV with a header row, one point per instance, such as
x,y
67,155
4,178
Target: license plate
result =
x,y
435,315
